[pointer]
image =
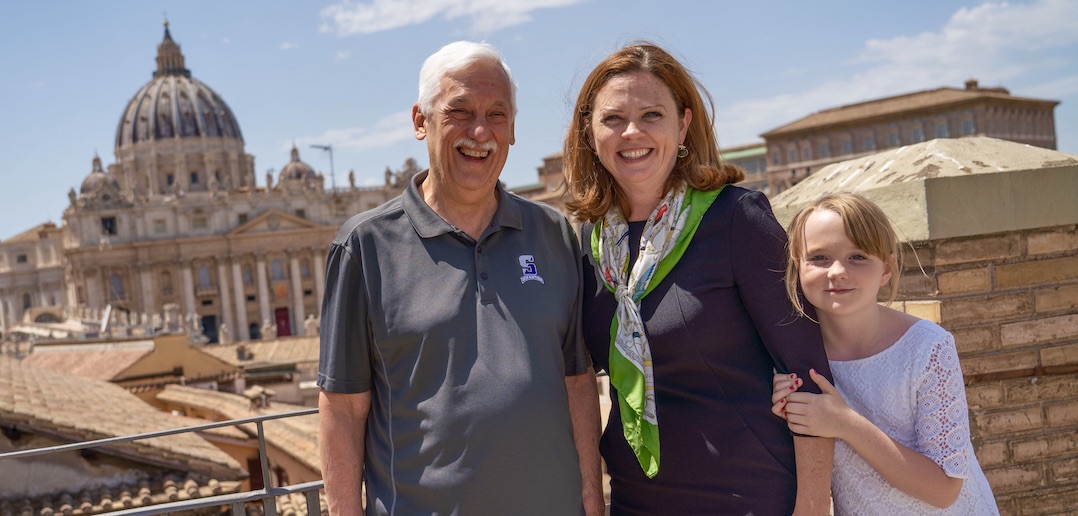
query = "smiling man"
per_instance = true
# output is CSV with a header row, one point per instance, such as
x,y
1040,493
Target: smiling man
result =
x,y
453,374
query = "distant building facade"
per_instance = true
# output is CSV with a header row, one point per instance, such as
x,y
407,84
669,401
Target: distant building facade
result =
x,y
178,220
800,148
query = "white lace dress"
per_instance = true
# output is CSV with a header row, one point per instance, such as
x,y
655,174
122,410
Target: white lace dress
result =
x,y
913,391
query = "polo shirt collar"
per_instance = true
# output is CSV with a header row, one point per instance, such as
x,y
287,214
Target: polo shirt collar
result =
x,y
429,224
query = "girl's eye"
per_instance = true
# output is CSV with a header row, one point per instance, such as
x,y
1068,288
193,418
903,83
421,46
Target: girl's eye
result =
x,y
816,258
859,257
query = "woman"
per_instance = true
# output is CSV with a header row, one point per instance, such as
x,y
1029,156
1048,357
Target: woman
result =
x,y
684,303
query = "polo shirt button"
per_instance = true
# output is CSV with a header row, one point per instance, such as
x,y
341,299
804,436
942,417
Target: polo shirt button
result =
x,y
483,275
478,248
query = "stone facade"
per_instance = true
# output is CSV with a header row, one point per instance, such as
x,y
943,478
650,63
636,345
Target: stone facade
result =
x,y
179,223
803,147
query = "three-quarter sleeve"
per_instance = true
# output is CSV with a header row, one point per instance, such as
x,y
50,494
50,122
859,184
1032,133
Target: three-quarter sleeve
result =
x,y
942,417
758,249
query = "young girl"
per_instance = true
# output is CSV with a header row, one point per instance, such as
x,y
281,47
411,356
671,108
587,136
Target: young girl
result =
x,y
899,412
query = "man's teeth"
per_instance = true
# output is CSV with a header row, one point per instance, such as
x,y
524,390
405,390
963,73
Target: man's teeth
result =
x,y
472,153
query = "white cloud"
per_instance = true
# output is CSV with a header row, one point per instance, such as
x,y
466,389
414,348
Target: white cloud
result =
x,y
287,45
383,133
348,18
993,42
342,55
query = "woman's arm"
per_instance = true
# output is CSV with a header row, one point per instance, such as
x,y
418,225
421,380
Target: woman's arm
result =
x,y
815,457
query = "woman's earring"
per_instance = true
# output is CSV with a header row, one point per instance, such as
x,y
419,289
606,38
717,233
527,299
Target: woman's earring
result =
x,y
682,151
595,159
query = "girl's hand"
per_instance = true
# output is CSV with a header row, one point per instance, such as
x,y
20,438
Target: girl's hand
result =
x,y
783,385
823,415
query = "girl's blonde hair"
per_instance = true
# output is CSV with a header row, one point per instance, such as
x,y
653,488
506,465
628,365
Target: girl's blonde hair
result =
x,y
867,226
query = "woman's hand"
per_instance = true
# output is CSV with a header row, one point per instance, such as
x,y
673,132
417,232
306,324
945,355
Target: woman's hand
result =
x,y
783,385
823,415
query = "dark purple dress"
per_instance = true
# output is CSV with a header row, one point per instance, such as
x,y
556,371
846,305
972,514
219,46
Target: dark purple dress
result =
x,y
717,324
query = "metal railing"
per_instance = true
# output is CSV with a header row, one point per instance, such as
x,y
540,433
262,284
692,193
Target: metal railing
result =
x,y
267,495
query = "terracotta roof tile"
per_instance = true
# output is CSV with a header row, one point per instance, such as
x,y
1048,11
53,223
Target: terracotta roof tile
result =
x,y
296,436
288,350
103,361
137,494
77,409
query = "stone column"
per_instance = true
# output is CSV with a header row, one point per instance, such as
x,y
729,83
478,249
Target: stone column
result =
x,y
319,280
226,297
188,289
241,332
298,313
263,291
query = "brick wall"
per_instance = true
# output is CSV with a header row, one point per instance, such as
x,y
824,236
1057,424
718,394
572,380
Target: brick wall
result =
x,y
1011,301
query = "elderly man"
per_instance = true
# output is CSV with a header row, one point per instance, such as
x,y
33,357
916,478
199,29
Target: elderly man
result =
x,y
453,375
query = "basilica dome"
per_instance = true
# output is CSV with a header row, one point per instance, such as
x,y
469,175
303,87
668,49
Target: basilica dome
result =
x,y
98,180
174,105
297,169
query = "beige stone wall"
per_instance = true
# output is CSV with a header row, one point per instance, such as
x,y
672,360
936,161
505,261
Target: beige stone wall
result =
x,y
1011,301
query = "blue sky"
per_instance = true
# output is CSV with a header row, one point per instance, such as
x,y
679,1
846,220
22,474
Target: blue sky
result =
x,y
344,73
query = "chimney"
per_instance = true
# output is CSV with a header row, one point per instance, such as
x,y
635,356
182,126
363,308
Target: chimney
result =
x,y
971,85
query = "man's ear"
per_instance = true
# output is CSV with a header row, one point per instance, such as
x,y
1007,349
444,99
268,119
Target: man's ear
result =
x,y
418,121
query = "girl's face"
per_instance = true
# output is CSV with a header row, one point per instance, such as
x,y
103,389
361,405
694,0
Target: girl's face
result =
x,y
838,278
636,129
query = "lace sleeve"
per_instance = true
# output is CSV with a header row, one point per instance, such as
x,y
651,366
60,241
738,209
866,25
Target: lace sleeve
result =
x,y
942,413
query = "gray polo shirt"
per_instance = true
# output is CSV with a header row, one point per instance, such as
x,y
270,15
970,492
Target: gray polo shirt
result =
x,y
465,345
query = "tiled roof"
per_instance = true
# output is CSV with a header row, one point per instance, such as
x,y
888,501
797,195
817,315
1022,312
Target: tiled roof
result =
x,y
296,436
921,100
103,361
288,350
72,408
143,493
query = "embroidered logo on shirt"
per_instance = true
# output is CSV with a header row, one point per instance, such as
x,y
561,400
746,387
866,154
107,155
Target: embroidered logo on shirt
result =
x,y
527,267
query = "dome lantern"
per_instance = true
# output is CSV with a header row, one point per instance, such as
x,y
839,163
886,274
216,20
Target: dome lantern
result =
x,y
169,57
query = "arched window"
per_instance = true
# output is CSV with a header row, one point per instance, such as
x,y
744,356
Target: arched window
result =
x,y
276,269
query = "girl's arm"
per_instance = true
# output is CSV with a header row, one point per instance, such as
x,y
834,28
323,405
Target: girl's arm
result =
x,y
827,415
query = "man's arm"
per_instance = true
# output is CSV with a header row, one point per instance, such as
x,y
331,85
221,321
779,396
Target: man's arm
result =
x,y
584,410
815,457
342,432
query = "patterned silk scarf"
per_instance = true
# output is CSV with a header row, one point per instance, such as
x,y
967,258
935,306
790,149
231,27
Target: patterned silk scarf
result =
x,y
666,235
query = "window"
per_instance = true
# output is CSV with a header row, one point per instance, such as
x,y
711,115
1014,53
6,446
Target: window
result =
x,y
242,218
248,275
301,213
893,139
776,158
108,225
166,283
917,135
792,155
116,286
26,301
806,153
967,127
276,270
870,142
199,223
169,179
941,130
204,278
825,150
194,178
847,147
159,226
21,258
304,269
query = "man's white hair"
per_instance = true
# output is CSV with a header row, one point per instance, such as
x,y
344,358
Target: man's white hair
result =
x,y
454,57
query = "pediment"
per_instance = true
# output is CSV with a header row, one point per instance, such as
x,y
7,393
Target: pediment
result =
x,y
272,221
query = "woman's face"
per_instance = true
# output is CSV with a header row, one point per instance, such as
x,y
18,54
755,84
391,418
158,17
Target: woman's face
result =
x,y
636,129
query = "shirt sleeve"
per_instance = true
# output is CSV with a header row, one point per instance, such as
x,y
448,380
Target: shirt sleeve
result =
x,y
942,414
759,259
344,364
575,354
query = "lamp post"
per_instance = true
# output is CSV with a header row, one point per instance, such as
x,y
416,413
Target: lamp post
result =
x,y
332,176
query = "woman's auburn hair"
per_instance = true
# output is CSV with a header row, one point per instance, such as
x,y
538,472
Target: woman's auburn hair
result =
x,y
866,225
592,190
